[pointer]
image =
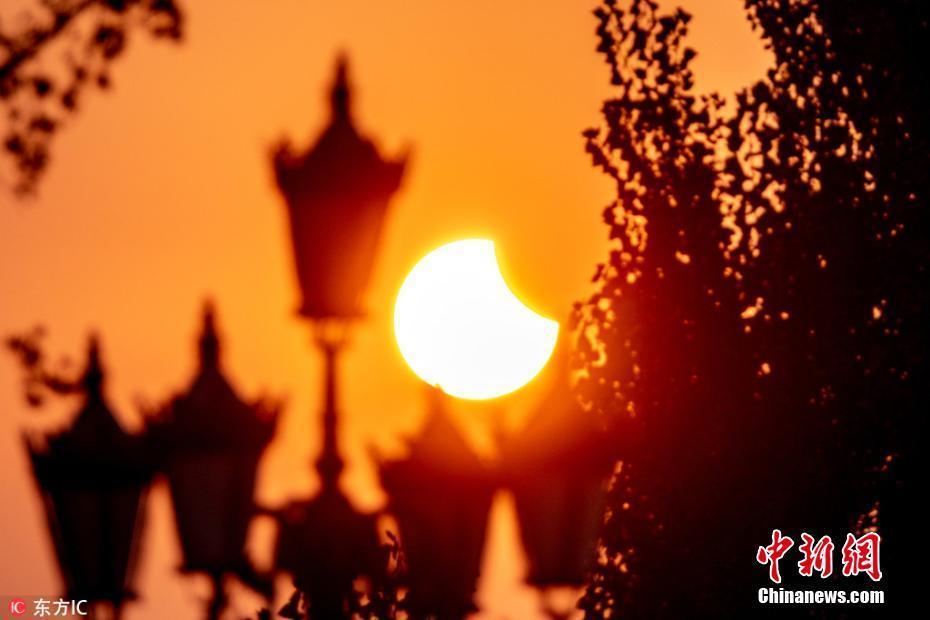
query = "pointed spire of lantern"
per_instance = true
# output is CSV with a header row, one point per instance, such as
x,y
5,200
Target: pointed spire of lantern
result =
x,y
211,412
92,379
440,444
95,436
95,426
340,96
209,340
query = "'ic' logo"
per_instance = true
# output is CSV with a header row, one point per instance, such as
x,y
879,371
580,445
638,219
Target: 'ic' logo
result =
x,y
18,607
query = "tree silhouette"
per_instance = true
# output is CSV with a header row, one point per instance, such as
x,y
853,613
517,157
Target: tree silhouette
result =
x,y
89,35
755,335
39,380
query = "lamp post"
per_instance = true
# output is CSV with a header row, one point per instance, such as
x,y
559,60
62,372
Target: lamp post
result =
x,y
337,194
209,441
93,479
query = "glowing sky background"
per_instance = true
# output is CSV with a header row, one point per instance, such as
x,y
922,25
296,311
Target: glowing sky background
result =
x,y
161,193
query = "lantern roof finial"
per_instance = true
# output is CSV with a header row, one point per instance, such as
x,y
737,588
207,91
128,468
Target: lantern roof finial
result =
x,y
440,445
92,379
210,414
340,95
94,426
209,339
94,450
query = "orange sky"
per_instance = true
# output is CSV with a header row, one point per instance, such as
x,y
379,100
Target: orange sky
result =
x,y
161,193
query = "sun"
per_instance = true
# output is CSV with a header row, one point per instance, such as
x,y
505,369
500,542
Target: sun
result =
x,y
459,326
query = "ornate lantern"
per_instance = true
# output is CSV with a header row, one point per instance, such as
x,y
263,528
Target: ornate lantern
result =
x,y
558,467
210,442
441,496
93,479
337,194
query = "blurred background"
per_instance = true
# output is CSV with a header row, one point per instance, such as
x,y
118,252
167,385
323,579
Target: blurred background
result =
x,y
161,194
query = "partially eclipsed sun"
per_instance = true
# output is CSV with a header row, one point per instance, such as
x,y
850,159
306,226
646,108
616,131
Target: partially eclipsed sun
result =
x,y
461,328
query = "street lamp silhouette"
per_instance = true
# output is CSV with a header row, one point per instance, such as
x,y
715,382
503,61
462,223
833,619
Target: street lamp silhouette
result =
x,y
557,467
337,194
440,495
209,441
93,479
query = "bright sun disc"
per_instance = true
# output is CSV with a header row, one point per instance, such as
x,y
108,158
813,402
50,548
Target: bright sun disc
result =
x,y
460,327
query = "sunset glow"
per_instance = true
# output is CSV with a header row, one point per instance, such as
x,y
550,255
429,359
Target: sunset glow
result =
x,y
160,193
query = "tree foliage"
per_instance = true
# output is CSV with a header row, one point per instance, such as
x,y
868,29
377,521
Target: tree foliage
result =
x,y
756,334
39,94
